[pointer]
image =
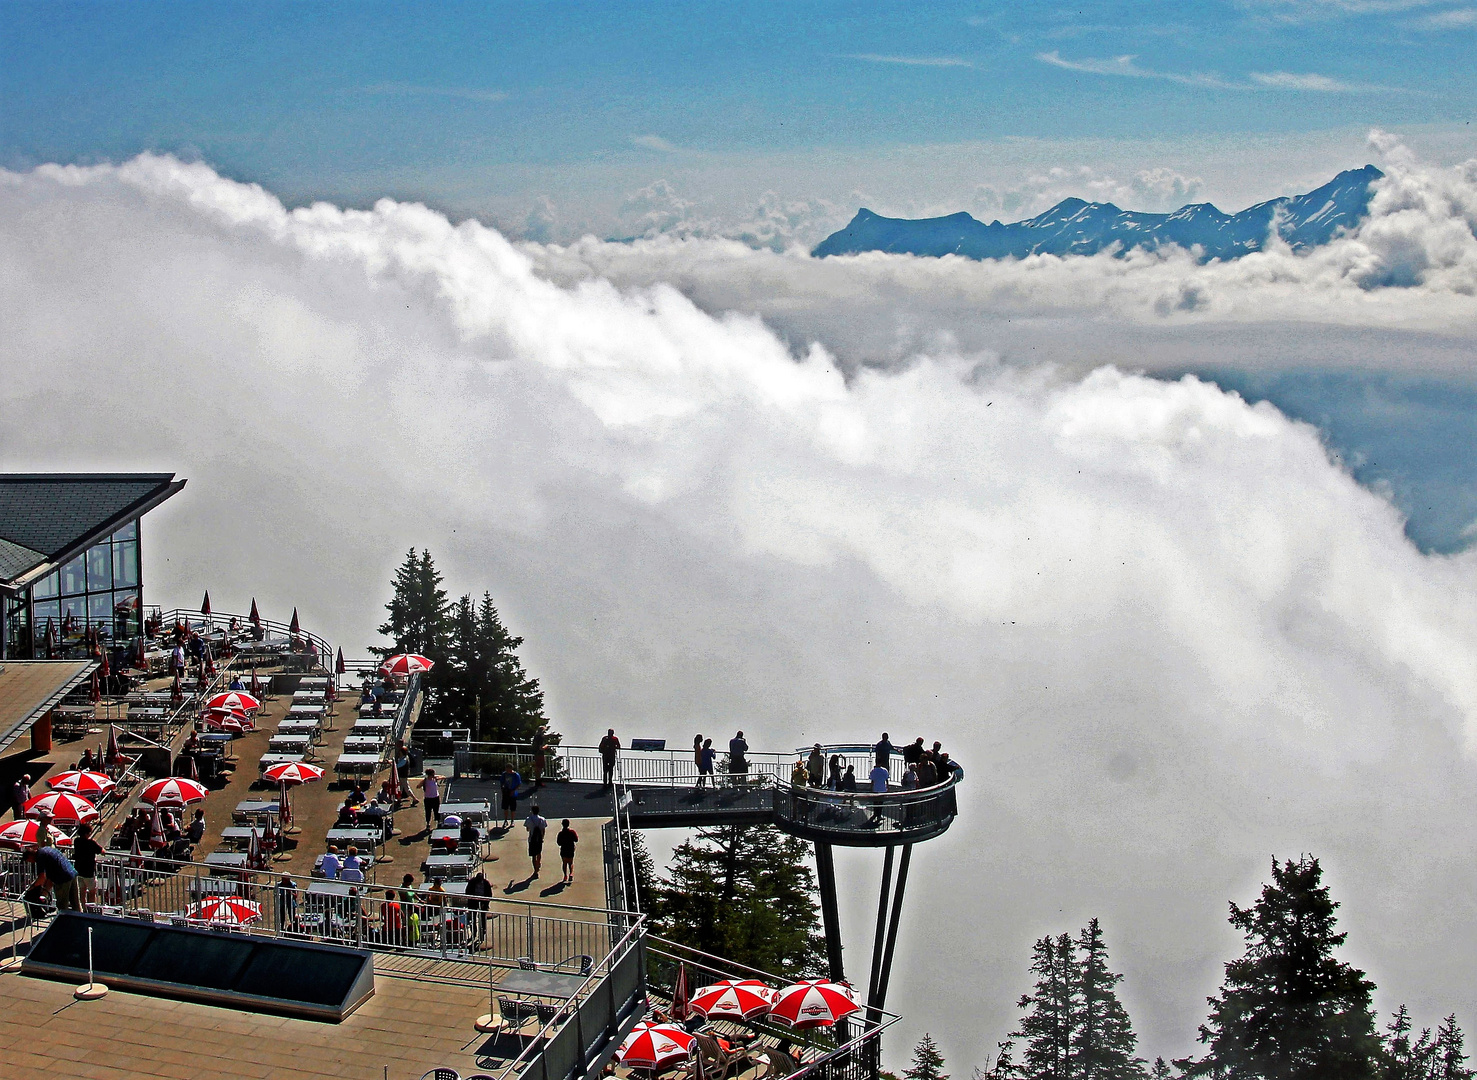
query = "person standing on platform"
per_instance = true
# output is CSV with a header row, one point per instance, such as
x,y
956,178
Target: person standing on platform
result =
x,y
537,826
738,755
431,797
54,869
508,785
610,748
566,840
884,751
85,851
815,766
20,794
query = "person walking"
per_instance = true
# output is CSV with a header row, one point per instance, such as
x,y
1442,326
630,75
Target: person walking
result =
x,y
566,840
431,796
537,826
834,780
610,748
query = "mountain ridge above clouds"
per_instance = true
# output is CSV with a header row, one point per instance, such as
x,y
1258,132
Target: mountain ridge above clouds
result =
x,y
1076,227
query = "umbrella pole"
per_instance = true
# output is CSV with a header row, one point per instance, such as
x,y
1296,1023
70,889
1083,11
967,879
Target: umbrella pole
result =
x,y
93,989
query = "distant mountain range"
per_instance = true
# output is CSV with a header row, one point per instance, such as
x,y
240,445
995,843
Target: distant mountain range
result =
x,y
1075,227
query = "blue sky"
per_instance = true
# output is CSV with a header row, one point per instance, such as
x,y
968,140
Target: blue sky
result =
x,y
551,121
325,98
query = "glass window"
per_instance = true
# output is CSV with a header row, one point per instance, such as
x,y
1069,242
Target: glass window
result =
x,y
100,610
47,610
126,615
75,609
99,567
128,532
74,576
125,564
46,587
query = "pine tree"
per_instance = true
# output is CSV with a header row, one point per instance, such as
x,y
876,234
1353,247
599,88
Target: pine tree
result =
x,y
418,609
1103,1042
484,685
1161,1070
1450,1052
745,893
1404,1060
1048,1026
1288,1009
928,1063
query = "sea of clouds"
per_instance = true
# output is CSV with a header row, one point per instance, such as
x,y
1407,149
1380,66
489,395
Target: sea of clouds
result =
x,y
718,486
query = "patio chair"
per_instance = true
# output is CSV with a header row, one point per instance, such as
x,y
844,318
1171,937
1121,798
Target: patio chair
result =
x,y
442,1074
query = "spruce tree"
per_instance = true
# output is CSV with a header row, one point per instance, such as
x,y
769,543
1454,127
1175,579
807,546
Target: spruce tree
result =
x,y
1403,1059
1103,1042
928,1063
418,609
745,893
1450,1053
1049,1023
1288,1009
1161,1070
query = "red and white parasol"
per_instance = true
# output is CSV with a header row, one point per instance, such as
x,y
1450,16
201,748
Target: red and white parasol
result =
x,y
732,999
235,723
26,833
234,701
294,772
90,785
174,791
227,909
650,1046
406,664
812,1003
61,806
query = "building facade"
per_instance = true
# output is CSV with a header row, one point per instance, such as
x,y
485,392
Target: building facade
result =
x,y
71,568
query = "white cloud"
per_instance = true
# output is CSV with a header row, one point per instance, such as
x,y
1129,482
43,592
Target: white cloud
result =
x,y
653,142
1453,19
1126,66
1287,80
1164,633
911,61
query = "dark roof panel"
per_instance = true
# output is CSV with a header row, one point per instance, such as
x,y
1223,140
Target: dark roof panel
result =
x,y
16,559
51,513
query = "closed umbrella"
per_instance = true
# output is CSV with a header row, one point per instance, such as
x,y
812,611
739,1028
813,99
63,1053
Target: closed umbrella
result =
x,y
650,1046
679,994
90,785
405,664
732,999
293,627
174,791
255,618
812,1003
339,667
205,604
227,909
61,806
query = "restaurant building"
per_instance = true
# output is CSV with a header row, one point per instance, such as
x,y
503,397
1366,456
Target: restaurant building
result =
x,y
71,568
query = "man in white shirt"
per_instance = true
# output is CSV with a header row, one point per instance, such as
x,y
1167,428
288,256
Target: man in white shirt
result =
x,y
331,863
879,779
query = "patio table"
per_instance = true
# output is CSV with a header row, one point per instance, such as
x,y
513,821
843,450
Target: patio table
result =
x,y
476,811
299,725
307,709
289,744
356,764
458,866
366,838
268,760
250,808
308,697
234,860
363,744
373,725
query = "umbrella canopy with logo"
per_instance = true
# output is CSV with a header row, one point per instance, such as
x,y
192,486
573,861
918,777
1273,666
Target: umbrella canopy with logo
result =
x,y
27,833
812,1003
227,909
650,1046
61,806
235,701
405,664
174,791
294,772
90,785
235,723
732,999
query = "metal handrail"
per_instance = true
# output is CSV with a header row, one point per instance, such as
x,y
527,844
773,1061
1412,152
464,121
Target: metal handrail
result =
x,y
175,615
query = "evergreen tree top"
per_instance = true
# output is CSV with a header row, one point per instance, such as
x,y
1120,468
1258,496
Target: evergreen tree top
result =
x,y
928,1062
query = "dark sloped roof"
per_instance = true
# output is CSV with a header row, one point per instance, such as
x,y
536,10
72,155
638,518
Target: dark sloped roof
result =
x,y
52,515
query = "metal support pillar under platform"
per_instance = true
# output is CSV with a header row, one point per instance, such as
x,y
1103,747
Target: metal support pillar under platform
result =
x,y
830,915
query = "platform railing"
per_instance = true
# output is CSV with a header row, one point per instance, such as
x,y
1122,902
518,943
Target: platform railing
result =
x,y
491,930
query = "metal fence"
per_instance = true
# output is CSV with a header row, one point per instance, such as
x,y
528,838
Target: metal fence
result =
x,y
423,922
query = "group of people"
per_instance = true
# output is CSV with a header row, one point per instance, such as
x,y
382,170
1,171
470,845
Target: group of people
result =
x,y
922,767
